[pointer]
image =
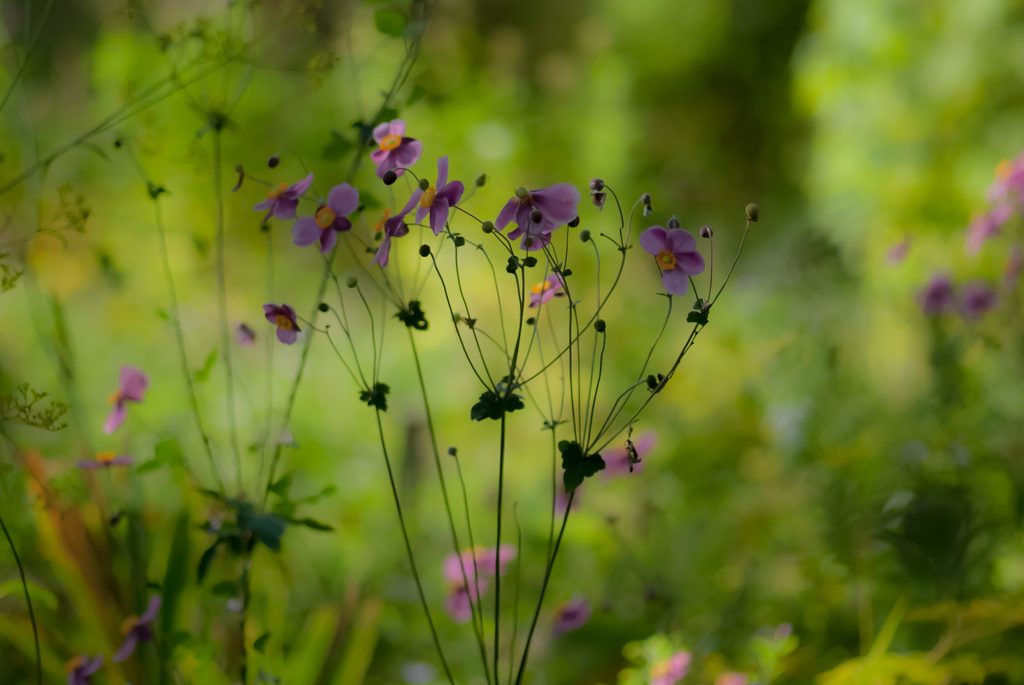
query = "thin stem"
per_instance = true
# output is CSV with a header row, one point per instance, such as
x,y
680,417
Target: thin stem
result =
x,y
408,550
28,600
270,356
497,546
28,55
734,261
222,299
515,603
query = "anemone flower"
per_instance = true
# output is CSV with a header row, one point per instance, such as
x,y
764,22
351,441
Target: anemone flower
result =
x,y
977,299
985,226
671,670
675,253
244,335
138,629
283,199
617,461
104,460
81,667
284,317
936,297
394,227
131,388
330,219
557,205
472,567
395,148
572,615
439,198
546,291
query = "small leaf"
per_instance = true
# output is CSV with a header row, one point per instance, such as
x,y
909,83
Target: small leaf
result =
x,y
206,560
311,523
261,642
493,406
203,374
418,93
148,466
698,317
576,465
337,148
268,529
227,588
162,314
390,22
281,486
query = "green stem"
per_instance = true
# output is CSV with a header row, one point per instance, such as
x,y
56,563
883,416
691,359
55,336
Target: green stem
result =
x,y
28,600
497,546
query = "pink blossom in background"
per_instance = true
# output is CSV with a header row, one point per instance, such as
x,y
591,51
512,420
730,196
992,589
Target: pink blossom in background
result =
x,y
937,297
616,459
898,252
572,615
138,629
977,298
985,226
1009,182
671,670
546,291
80,668
244,335
486,562
131,388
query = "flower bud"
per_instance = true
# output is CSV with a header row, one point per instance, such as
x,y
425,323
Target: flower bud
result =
x,y
487,226
706,232
323,306
585,235
652,382
452,452
599,325
752,212
424,184
536,217
459,241
532,320
238,168
528,242
481,180
424,250
389,177
646,198
351,282
522,192
673,222
596,185
574,223
273,161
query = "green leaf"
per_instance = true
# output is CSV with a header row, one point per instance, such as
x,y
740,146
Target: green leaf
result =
x,y
162,314
227,588
176,575
311,523
698,317
576,465
390,22
148,466
206,560
281,486
337,148
268,529
417,94
493,406
203,374
40,596
261,642
368,201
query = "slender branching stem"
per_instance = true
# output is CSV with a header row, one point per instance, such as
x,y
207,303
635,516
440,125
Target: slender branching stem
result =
x,y
28,600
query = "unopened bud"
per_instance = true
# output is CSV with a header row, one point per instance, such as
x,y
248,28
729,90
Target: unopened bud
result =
x,y
574,223
706,232
596,185
673,222
351,282
585,235
481,180
324,307
752,212
652,382
424,250
273,161
531,321
599,325
452,452
487,226
424,184
389,177
459,241
536,217
238,168
646,198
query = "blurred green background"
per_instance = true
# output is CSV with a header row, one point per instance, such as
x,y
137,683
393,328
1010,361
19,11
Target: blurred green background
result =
x,y
825,451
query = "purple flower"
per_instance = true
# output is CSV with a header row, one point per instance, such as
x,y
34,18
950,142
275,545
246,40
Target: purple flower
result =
x,y
394,227
396,150
937,296
489,562
330,219
556,205
546,291
244,335
977,299
617,462
1011,272
437,199
283,199
284,316
671,670
985,226
898,252
104,460
675,253
572,615
138,629
132,388
81,667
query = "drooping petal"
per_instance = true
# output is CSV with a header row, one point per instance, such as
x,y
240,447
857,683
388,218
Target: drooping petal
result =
x,y
149,615
287,337
452,192
123,460
91,464
130,641
299,188
691,263
675,281
680,241
260,206
442,172
654,239
422,212
343,199
572,615
383,252
558,203
133,383
327,240
90,666
305,231
507,213
116,417
413,201
523,219
438,215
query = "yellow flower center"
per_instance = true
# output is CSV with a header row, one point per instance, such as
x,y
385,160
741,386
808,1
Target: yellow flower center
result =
x,y
73,664
659,670
390,141
129,623
325,217
277,190
1003,169
379,226
665,260
105,456
283,322
541,287
114,397
428,197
